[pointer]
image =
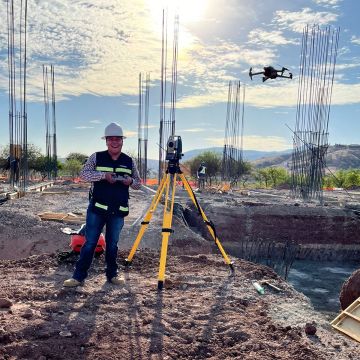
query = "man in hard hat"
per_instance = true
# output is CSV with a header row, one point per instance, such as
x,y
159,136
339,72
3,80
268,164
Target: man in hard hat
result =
x,y
201,175
111,172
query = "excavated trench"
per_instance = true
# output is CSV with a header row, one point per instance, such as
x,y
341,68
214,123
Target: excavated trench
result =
x,y
315,248
299,232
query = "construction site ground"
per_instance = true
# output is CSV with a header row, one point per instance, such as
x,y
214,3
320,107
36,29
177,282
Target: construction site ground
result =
x,y
204,310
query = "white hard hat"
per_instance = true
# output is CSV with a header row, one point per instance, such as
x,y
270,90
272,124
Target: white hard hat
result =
x,y
113,129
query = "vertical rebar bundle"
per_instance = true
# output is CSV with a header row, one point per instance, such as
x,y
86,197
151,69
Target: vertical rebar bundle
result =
x,y
50,123
143,124
167,126
18,152
310,140
232,160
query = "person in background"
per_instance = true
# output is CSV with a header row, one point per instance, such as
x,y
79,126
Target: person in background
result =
x,y
111,173
201,175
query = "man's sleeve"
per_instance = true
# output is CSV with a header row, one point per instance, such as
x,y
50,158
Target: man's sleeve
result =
x,y
88,172
136,184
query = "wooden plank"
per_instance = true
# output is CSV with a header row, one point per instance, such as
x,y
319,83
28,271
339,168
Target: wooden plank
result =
x,y
352,316
55,193
349,327
62,217
348,321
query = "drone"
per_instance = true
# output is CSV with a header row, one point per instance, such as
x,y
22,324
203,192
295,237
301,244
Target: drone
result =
x,y
271,73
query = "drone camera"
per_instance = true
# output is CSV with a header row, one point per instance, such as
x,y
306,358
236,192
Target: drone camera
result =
x,y
174,148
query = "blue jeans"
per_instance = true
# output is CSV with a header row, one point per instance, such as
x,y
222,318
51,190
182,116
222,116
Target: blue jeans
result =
x,y
94,226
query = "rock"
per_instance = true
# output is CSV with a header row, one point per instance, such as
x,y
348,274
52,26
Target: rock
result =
x,y
65,334
5,303
350,290
28,314
310,329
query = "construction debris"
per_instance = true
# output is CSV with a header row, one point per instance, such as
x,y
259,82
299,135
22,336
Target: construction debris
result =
x,y
61,217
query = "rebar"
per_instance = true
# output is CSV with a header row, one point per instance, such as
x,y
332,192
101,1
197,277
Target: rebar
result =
x,y
50,123
167,124
17,60
143,124
232,160
310,139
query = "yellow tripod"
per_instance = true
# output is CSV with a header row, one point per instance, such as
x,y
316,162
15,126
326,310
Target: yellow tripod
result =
x,y
168,184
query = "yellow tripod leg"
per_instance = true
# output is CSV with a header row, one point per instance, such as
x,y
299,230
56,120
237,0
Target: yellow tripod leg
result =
x,y
166,230
206,221
147,218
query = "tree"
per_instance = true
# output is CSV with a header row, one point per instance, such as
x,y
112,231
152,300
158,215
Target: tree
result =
x,y
340,178
262,175
73,167
352,178
77,156
34,156
278,175
212,162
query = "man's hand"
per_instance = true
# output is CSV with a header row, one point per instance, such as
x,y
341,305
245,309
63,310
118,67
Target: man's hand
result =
x,y
127,180
110,178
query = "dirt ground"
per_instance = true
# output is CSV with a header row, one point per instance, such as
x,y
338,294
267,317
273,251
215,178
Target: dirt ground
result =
x,y
204,310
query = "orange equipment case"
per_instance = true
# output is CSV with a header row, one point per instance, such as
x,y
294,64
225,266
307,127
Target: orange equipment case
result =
x,y
77,241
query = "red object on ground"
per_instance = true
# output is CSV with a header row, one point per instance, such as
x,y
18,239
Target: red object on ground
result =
x,y
77,241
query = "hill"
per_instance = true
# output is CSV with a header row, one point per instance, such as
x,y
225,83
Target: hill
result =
x,y
249,155
338,157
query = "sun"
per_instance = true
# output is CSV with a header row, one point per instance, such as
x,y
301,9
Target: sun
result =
x,y
188,10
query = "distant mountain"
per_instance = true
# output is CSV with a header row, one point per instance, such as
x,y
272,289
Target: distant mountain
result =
x,y
338,157
249,155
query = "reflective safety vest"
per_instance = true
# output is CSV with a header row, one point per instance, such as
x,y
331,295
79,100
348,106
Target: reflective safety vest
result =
x,y
107,198
202,170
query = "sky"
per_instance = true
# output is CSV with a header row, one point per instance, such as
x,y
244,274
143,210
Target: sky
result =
x,y
99,47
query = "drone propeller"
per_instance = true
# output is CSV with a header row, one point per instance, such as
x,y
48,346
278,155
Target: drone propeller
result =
x,y
250,73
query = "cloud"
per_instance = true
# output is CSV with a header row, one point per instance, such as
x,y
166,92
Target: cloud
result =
x,y
98,47
194,130
149,126
280,93
95,121
130,133
328,3
83,127
257,142
276,37
297,20
355,40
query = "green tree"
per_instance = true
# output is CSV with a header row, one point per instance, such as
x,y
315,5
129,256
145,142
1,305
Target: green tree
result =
x,y
329,181
352,178
278,175
262,175
73,167
77,156
340,178
33,154
212,162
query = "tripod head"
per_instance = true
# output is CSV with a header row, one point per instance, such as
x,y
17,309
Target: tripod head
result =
x,y
174,154
174,148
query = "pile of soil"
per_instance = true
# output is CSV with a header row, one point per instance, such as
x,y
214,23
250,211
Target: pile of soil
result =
x,y
204,310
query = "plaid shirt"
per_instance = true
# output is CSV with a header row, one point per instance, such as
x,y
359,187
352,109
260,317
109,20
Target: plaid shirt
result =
x,y
89,174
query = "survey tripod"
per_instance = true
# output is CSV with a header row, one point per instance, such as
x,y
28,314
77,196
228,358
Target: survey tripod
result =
x,y
168,184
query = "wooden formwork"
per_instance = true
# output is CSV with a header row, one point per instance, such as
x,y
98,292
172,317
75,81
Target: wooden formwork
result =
x,y
348,322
